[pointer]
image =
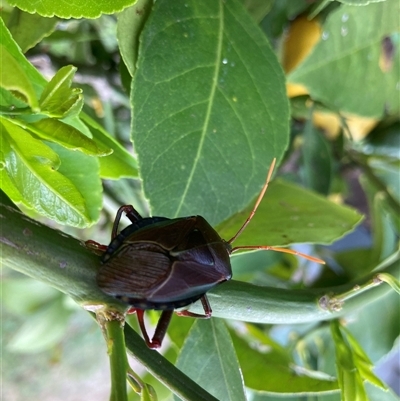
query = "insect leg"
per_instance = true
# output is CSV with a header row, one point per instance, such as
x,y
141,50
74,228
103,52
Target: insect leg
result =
x,y
206,307
96,247
140,314
130,212
161,328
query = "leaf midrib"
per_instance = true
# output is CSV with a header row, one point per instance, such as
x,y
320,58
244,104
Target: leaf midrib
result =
x,y
208,112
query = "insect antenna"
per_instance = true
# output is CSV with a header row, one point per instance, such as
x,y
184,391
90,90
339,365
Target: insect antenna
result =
x,y
251,215
258,201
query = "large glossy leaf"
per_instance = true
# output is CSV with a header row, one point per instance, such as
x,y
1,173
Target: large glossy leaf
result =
x,y
209,108
71,8
290,214
208,357
345,67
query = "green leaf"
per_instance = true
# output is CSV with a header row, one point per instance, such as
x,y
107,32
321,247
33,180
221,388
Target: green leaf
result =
x,y
10,104
353,365
345,64
58,98
32,168
209,116
258,9
392,281
384,237
65,135
72,8
7,186
34,77
120,163
83,171
179,329
362,361
29,29
280,375
14,79
165,371
290,214
385,328
348,377
130,25
208,357
383,140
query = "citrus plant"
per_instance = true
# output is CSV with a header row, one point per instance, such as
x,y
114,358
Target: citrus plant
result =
x,y
179,108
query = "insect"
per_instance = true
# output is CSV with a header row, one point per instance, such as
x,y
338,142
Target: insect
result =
x,y
165,264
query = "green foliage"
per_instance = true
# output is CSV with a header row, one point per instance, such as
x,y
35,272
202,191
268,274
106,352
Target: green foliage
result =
x,y
283,374
220,360
72,9
231,102
29,29
353,365
45,178
345,64
179,108
298,216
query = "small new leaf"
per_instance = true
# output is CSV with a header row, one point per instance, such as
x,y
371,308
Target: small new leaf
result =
x,y
362,361
391,280
353,365
58,98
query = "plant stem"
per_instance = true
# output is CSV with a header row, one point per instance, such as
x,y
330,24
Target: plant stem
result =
x,y
66,264
118,360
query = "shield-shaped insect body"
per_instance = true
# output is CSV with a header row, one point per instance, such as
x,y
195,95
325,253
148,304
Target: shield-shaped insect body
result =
x,y
164,264
160,263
